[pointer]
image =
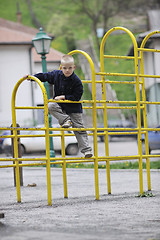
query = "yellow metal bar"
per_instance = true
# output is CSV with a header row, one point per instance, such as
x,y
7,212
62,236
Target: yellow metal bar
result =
x,y
111,158
119,102
15,140
108,107
100,158
138,119
69,101
146,102
136,75
86,81
82,160
47,142
94,118
116,74
142,49
104,108
27,107
95,132
134,107
22,129
7,136
118,107
145,124
149,76
102,56
24,159
79,159
118,82
46,136
106,101
64,165
127,75
7,166
151,129
119,57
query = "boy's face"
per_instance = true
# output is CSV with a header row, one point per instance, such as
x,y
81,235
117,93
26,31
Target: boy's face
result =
x,y
67,69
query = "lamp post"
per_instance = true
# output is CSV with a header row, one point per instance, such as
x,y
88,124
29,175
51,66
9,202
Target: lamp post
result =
x,y
42,44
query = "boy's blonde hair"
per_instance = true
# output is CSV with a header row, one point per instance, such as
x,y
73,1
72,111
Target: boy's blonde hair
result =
x,y
67,59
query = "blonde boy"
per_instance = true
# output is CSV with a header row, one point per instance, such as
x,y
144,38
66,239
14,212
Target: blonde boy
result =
x,y
67,86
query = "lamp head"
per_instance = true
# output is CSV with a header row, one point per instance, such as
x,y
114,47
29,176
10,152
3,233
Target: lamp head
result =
x,y
42,42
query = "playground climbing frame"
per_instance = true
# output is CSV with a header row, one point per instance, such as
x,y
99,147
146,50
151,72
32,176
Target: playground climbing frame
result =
x,y
139,104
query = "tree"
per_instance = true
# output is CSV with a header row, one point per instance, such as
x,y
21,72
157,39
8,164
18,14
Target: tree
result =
x,y
67,18
99,11
35,21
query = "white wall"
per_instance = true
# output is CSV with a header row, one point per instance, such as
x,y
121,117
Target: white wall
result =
x,y
157,58
38,68
151,64
14,64
153,114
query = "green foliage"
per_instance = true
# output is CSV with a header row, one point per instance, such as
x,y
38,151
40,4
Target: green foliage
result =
x,y
118,45
60,44
86,94
58,17
146,194
68,24
124,165
8,10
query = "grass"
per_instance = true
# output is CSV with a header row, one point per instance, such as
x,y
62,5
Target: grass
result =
x,y
8,11
146,194
125,165
118,45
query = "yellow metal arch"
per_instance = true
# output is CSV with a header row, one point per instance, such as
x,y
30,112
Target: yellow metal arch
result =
x,y
93,102
45,99
136,75
141,50
94,108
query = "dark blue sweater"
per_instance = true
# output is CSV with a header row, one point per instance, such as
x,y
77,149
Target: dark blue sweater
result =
x,y
71,87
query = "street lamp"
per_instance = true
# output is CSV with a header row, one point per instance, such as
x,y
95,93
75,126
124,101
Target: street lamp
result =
x,y
42,43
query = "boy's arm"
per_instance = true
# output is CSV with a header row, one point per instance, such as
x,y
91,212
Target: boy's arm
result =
x,y
38,75
45,77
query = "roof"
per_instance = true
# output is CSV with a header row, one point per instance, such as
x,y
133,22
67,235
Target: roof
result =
x,y
12,33
52,56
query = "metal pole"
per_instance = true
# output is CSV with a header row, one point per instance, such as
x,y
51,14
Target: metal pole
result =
x,y
44,69
19,155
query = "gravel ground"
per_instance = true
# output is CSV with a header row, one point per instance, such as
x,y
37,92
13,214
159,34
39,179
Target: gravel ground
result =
x,y
121,215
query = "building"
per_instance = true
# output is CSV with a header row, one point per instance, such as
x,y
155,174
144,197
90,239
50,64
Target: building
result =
x,y
151,67
18,57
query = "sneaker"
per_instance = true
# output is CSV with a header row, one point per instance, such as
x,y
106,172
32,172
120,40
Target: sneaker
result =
x,y
88,154
67,124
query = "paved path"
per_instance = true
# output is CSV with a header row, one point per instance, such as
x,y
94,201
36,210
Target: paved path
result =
x,y
120,215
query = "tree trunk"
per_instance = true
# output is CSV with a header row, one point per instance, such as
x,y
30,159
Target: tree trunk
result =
x,y
94,26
